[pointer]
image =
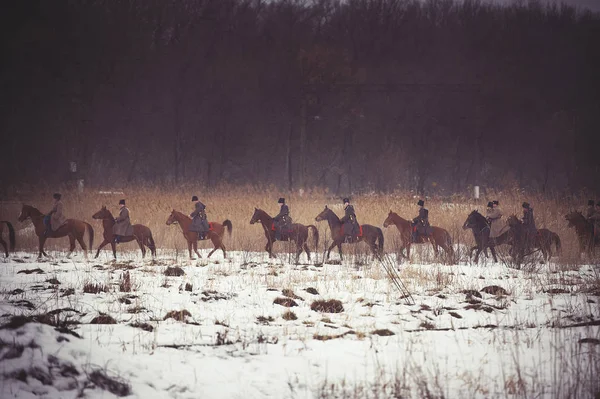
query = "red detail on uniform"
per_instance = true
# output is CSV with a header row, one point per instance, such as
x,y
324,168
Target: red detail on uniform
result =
x,y
273,227
414,228
360,234
210,226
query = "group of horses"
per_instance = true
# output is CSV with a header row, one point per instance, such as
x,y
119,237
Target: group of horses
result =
x,y
515,235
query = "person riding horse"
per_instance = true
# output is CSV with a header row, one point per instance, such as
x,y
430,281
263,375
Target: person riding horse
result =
x,y
494,216
590,209
595,218
199,219
528,224
283,220
55,218
420,224
122,227
350,226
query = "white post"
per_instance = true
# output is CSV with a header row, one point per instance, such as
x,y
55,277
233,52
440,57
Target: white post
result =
x,y
476,192
80,185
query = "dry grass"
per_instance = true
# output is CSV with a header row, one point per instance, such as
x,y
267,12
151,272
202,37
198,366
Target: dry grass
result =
x,y
327,306
93,288
152,206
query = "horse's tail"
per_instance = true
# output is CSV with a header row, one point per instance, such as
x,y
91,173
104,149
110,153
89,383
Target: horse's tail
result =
x,y
91,232
150,240
556,240
11,235
380,240
227,223
315,235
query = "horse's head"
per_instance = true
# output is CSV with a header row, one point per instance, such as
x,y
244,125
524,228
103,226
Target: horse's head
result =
x,y
256,216
513,221
25,213
575,219
323,215
471,221
103,213
172,218
389,219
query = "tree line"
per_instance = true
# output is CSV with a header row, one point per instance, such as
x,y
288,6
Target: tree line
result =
x,y
432,96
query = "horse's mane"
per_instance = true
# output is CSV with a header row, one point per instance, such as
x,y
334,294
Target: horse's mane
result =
x,y
394,214
264,215
181,214
331,212
33,210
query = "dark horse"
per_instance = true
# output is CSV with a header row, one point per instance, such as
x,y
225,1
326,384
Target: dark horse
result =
x,y
372,235
585,232
216,232
11,236
481,232
298,233
141,234
439,236
543,240
73,228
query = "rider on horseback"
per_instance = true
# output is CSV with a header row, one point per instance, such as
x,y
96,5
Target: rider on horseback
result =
x,y
590,209
122,226
528,224
494,216
199,220
55,218
283,220
350,226
595,218
420,224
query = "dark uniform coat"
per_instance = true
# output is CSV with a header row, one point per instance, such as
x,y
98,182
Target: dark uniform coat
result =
x,y
595,218
529,221
199,219
422,221
57,217
283,221
590,211
123,225
350,224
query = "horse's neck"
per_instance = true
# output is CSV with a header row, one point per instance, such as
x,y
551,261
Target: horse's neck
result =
x,y
265,219
333,220
399,221
108,221
182,219
35,215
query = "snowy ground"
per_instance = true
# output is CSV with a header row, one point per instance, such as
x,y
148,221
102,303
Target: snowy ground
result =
x,y
537,336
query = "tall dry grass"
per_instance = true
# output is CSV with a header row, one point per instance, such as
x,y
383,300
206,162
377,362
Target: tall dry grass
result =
x,y
151,206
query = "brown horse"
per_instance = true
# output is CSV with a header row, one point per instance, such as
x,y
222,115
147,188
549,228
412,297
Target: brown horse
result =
x,y
73,228
372,235
522,244
298,234
439,236
141,234
216,233
585,232
11,236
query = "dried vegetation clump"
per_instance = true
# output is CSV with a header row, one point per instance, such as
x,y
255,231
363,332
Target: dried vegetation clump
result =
x,y
95,288
287,302
178,315
327,306
175,271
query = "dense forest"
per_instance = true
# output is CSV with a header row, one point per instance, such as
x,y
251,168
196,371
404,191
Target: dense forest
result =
x,y
431,96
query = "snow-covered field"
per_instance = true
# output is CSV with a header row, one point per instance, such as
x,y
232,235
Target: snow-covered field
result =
x,y
473,331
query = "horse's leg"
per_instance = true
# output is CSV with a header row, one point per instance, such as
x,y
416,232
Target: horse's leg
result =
x,y
195,244
42,240
307,251
141,245
478,248
100,247
82,245
190,247
113,246
493,249
4,245
339,245
71,245
216,244
333,244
